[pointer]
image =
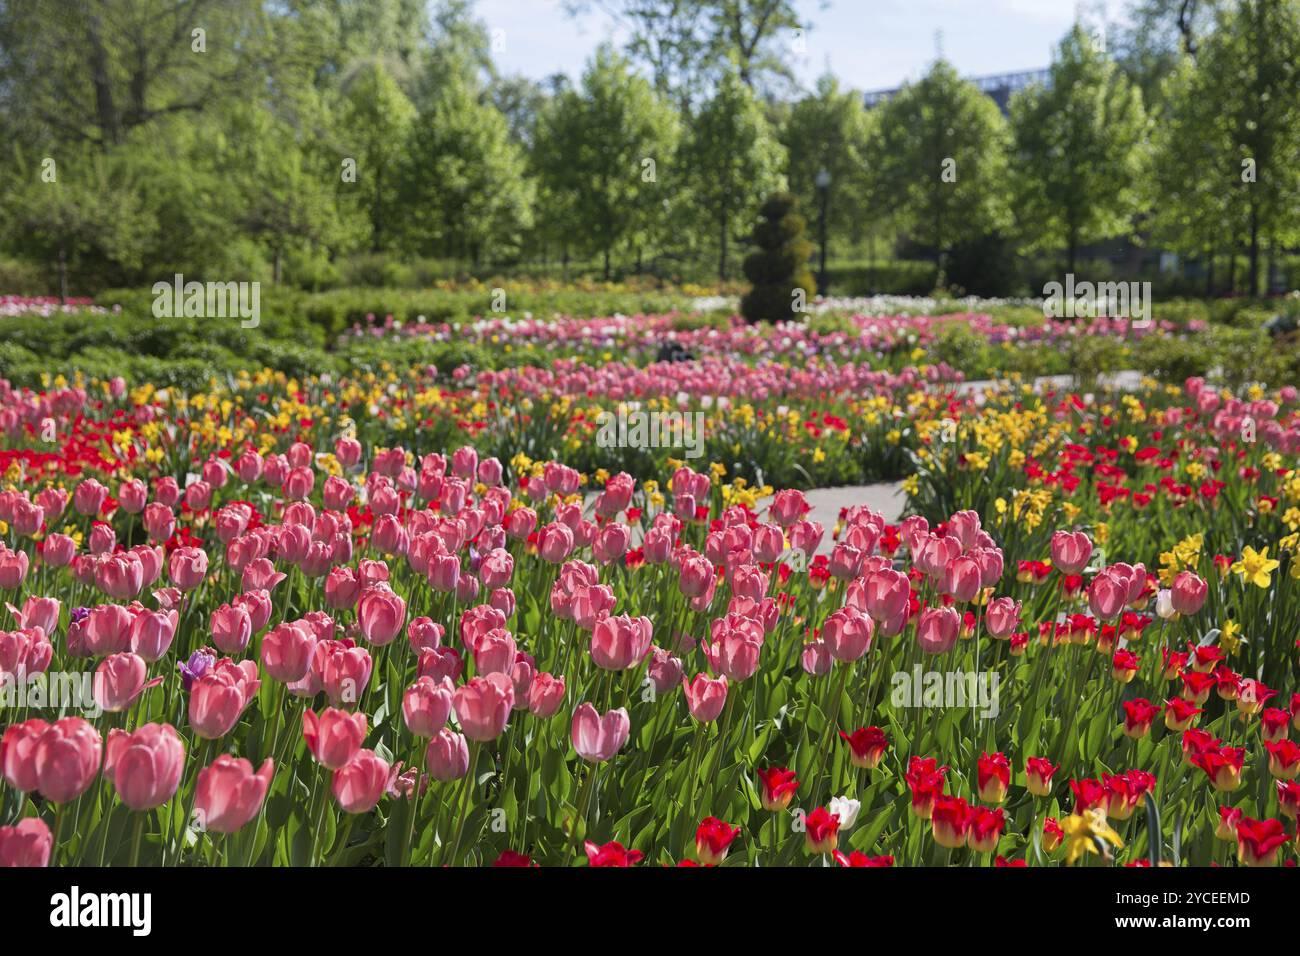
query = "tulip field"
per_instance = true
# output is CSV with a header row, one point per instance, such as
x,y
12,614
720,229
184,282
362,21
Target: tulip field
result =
x,y
423,617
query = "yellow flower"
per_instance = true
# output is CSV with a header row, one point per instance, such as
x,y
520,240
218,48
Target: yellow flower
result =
x,y
1084,832
1256,567
1228,637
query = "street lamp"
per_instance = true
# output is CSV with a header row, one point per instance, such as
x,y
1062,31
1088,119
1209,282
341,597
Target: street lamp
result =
x,y
823,184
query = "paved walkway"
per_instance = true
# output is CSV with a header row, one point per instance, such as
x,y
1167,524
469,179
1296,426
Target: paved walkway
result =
x,y
886,497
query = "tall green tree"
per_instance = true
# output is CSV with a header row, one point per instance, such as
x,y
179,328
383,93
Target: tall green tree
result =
x,y
606,149
91,71
464,186
831,130
733,159
1190,193
374,124
940,161
1078,152
1250,70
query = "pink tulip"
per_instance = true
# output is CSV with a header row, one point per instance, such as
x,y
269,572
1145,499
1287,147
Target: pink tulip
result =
x,y
734,648
554,543
217,701
248,466
494,652
119,681
343,669
145,766
380,615
788,507
1188,592
847,633
260,575
108,630
447,756
483,706
597,738
426,705
424,634
962,578
132,495
342,589
231,628
937,630
358,786
67,759
13,568
664,670
545,694
1002,617
1108,594
618,643
120,575
18,754
58,550
26,844
229,794
334,737
89,497
159,521
496,568
287,651
186,567
705,697
816,658
1070,551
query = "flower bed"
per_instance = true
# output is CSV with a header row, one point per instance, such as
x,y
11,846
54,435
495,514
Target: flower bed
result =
x,y
305,648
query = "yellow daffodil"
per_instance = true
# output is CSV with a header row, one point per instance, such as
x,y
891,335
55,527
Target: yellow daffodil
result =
x,y
1256,567
1085,833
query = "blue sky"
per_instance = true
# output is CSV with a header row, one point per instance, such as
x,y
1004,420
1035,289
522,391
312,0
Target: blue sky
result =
x,y
868,44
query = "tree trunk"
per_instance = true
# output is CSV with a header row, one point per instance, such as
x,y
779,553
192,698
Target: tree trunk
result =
x,y
1072,254
1232,268
1209,273
607,263
564,260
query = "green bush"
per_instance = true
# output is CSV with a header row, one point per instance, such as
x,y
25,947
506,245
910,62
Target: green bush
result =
x,y
778,266
1173,360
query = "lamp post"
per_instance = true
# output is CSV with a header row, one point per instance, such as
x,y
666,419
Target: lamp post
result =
x,y
823,184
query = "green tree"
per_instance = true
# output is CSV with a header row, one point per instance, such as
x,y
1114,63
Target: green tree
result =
x,y
1250,70
78,214
287,198
831,130
78,71
1078,150
690,44
604,151
374,124
464,181
733,160
940,160
1190,196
